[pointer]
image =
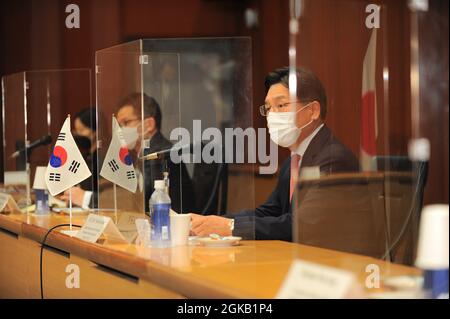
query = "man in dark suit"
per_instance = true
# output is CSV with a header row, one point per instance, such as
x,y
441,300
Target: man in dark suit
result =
x,y
128,117
298,125
182,199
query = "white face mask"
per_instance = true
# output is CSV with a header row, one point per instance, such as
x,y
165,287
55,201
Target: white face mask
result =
x,y
130,135
282,128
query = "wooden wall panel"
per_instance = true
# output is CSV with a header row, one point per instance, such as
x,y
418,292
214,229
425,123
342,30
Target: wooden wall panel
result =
x,y
332,42
434,114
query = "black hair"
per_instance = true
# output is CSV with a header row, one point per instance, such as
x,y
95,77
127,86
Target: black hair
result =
x,y
151,107
87,118
309,87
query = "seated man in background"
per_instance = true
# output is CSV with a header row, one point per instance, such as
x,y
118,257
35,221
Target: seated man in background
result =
x,y
129,118
85,136
299,126
134,131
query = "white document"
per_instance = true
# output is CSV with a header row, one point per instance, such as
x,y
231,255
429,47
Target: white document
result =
x,y
97,225
307,280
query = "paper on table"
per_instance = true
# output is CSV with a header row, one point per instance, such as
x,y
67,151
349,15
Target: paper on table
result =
x,y
309,280
97,225
29,209
71,233
75,210
56,202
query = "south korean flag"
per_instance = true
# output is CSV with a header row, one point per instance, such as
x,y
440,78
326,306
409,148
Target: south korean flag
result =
x,y
118,165
66,167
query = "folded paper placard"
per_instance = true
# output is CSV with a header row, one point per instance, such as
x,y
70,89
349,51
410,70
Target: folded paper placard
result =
x,y
71,233
127,221
127,225
97,225
307,280
7,203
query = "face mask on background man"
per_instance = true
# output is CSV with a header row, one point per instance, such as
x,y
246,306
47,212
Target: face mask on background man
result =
x,y
130,135
282,128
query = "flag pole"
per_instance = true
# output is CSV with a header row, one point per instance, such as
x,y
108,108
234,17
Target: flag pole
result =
x,y
70,199
115,201
70,208
115,191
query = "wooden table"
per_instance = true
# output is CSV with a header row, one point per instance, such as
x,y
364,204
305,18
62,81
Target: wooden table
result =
x,y
254,269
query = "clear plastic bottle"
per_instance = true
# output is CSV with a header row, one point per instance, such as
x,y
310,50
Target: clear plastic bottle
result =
x,y
159,205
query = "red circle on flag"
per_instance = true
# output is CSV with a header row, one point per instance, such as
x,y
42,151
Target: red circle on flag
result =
x,y
59,157
124,156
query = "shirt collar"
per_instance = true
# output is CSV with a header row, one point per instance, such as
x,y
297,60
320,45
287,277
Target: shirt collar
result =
x,y
304,144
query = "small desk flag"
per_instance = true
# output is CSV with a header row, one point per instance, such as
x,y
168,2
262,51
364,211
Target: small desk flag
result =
x,y
66,167
369,126
118,165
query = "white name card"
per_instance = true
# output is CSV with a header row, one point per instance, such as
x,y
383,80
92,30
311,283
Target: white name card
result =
x,y
7,201
97,225
127,225
307,280
127,221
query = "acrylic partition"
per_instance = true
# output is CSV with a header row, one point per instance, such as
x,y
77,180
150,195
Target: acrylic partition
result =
x,y
361,191
35,105
16,170
185,95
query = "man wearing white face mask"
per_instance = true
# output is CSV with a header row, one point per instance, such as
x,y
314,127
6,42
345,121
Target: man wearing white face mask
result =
x,y
298,125
128,117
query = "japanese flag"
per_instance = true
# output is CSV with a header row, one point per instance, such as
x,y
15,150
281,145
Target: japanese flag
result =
x,y
369,126
66,167
118,166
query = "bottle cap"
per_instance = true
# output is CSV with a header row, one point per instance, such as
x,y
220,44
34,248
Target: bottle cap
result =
x,y
159,184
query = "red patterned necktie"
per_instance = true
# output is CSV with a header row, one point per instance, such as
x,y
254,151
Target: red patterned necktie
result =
x,y
295,159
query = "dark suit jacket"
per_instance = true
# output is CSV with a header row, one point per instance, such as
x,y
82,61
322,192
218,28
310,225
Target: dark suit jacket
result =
x,y
273,219
91,183
180,184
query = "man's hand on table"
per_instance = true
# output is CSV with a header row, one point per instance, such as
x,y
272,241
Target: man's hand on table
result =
x,y
206,225
77,196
